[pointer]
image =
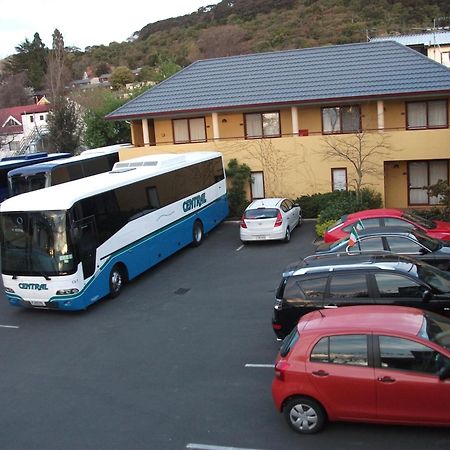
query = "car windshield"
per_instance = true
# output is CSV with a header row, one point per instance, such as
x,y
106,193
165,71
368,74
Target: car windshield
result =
x,y
337,223
429,224
436,278
36,243
261,213
436,328
428,242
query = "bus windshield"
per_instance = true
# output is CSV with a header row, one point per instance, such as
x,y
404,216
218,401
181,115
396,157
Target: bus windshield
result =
x,y
36,243
21,183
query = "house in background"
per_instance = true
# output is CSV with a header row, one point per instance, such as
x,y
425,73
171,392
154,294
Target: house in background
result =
x,y
278,112
435,45
23,128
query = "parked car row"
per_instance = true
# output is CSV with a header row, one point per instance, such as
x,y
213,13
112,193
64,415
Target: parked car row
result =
x,y
385,357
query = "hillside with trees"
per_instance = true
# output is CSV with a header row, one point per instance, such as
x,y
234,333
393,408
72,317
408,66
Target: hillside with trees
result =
x,y
162,48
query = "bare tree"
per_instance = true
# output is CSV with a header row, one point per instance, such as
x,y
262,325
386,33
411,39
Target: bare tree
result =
x,y
362,150
13,91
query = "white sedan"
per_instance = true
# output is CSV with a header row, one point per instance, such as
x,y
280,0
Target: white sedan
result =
x,y
270,218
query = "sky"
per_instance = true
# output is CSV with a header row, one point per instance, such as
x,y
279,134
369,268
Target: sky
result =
x,y
84,22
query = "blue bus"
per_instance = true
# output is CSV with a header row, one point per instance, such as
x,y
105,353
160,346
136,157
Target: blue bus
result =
x,y
45,174
67,246
14,162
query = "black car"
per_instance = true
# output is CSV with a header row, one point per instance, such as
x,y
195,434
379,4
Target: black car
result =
x,y
331,281
400,240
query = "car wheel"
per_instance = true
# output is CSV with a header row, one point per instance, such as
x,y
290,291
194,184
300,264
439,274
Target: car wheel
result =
x,y
197,234
116,281
304,415
287,236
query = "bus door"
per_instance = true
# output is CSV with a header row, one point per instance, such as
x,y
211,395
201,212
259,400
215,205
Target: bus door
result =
x,y
86,239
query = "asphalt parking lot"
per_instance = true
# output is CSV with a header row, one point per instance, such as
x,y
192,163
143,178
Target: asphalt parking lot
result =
x,y
181,359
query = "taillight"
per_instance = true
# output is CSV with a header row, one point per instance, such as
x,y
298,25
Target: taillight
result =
x,y
280,369
279,220
243,224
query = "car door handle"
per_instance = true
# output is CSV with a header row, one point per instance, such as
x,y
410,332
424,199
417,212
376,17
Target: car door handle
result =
x,y
320,373
330,306
386,379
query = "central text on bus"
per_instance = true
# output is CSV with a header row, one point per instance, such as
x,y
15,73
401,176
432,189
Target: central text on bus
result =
x,y
34,286
194,202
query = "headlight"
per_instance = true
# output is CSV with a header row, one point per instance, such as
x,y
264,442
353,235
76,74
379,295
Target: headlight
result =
x,y
9,290
67,291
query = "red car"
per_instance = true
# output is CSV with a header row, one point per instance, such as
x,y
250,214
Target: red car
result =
x,y
379,364
371,218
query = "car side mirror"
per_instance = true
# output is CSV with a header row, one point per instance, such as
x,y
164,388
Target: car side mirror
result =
x,y
444,373
427,295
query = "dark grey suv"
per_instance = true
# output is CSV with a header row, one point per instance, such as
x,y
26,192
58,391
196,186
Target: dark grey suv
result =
x,y
331,281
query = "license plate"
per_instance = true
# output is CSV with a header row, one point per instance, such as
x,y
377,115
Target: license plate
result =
x,y
260,237
37,302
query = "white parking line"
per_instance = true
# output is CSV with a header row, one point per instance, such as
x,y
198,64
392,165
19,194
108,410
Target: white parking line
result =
x,y
8,326
216,447
269,366
240,248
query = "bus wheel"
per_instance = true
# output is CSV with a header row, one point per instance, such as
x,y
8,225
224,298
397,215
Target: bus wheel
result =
x,y
197,234
116,281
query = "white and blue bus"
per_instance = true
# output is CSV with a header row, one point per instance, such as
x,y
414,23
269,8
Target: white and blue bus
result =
x,y
67,246
45,174
13,162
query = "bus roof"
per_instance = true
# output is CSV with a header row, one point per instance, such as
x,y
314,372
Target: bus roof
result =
x,y
5,163
63,196
46,165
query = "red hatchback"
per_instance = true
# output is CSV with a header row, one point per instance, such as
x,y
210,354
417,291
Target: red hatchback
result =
x,y
371,218
380,364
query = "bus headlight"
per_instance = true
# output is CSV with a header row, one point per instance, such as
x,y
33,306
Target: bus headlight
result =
x,y
9,290
67,291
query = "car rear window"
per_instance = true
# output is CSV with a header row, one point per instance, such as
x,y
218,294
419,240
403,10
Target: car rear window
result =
x,y
289,342
261,213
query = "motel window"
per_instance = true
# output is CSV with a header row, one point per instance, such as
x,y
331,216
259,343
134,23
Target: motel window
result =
x,y
339,179
422,174
341,119
423,115
31,119
189,130
259,125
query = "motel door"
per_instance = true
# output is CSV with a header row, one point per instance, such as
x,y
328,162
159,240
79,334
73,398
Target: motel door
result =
x,y
257,185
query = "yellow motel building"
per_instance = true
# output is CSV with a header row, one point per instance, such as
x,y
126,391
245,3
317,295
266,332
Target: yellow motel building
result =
x,y
301,118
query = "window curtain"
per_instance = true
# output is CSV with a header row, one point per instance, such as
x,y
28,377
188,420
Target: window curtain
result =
x,y
180,130
438,171
417,115
437,113
197,127
418,178
253,125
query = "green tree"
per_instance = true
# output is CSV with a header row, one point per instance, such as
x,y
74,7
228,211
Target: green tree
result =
x,y
240,177
120,77
100,132
31,58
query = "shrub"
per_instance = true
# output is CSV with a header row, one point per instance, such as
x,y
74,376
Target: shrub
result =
x,y
322,227
332,205
239,175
